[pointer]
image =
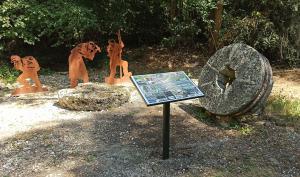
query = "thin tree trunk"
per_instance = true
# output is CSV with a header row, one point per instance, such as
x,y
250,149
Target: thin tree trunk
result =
x,y
214,40
173,8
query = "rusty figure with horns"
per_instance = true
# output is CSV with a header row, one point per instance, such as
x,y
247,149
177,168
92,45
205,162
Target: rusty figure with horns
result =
x,y
77,69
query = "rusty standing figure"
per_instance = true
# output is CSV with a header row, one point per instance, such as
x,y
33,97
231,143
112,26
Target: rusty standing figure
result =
x,y
77,69
114,51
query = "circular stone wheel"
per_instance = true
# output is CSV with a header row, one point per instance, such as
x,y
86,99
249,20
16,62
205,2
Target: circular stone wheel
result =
x,y
235,80
92,97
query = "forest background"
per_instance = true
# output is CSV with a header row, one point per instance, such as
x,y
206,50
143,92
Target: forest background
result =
x,y
48,29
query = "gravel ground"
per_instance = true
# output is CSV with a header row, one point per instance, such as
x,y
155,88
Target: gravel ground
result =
x,y
39,139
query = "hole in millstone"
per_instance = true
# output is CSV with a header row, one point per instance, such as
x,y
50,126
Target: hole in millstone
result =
x,y
225,77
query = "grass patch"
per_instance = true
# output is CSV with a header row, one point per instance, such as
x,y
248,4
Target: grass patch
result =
x,y
281,105
202,115
283,110
246,130
243,129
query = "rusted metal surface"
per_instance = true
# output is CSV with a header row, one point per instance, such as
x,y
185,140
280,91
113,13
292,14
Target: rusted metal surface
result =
x,y
77,68
114,52
29,67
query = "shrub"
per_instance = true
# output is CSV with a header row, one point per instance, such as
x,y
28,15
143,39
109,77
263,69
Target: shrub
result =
x,y
191,25
272,27
254,30
7,73
56,22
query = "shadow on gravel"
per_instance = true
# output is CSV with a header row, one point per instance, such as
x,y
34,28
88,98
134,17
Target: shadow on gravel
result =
x,y
198,113
116,144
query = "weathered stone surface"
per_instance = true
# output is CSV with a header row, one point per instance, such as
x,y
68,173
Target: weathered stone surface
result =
x,y
235,80
92,97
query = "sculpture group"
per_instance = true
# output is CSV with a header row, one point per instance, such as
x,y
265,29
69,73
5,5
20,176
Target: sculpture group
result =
x,y
77,69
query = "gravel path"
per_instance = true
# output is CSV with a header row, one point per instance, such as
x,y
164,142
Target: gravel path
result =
x,y
39,139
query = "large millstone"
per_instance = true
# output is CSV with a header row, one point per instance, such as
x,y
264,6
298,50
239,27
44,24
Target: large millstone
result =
x,y
92,97
237,80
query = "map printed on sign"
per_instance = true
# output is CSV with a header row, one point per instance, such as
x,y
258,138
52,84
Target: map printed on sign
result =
x,y
166,87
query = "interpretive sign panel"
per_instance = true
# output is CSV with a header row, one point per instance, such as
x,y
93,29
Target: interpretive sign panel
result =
x,y
166,87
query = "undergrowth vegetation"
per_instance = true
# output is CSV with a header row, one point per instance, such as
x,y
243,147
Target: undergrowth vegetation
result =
x,y
283,110
34,26
7,73
279,109
282,105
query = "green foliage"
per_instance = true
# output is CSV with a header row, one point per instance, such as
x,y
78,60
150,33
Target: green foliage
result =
x,y
233,124
255,30
290,43
283,111
191,25
182,34
8,74
281,105
57,21
246,130
272,27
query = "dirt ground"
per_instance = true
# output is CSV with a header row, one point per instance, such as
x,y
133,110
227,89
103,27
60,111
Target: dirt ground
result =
x,y
287,82
39,139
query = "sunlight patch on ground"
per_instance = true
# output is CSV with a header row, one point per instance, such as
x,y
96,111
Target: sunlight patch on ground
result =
x,y
16,118
287,83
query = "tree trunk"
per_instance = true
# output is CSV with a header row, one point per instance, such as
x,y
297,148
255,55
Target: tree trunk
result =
x,y
175,8
214,40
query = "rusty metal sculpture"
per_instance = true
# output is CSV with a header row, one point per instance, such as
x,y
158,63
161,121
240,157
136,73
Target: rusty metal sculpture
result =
x,y
114,51
77,69
29,67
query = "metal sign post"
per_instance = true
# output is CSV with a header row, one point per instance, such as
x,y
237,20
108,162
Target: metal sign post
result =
x,y
164,88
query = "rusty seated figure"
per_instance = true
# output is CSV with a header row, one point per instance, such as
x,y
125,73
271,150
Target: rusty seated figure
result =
x,y
77,69
29,67
114,52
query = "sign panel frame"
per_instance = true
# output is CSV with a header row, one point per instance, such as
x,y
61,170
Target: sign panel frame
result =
x,y
148,103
